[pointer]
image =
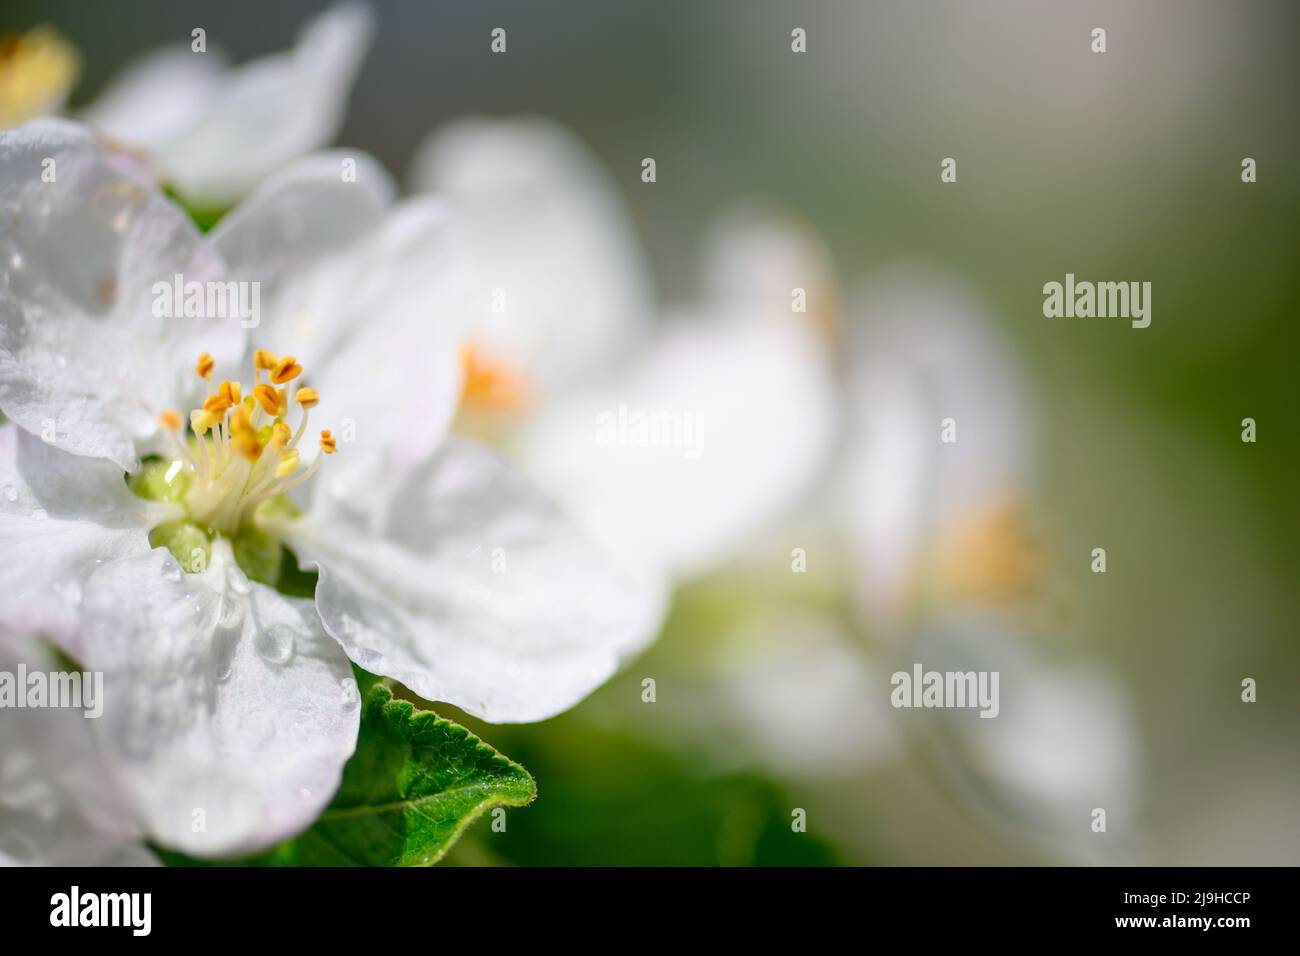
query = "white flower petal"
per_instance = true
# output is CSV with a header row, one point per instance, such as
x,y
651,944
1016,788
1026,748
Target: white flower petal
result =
x,y
271,110
377,326
473,589
155,98
61,517
83,359
298,216
228,711
545,226
744,410
58,806
757,257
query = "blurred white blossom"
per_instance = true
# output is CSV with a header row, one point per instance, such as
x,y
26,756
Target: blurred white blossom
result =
x,y
212,132
738,384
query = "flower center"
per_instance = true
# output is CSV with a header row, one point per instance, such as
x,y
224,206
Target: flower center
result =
x,y
989,557
490,385
239,456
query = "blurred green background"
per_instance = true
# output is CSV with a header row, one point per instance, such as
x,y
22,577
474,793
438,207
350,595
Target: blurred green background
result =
x,y
1123,165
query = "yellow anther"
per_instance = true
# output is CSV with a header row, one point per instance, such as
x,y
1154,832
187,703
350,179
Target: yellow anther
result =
x,y
327,443
264,360
307,397
248,445
286,370
216,405
288,463
240,420
244,436
230,391
201,421
280,435
204,365
269,398
170,420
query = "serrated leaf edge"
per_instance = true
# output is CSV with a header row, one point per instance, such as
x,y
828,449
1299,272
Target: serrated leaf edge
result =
x,y
403,717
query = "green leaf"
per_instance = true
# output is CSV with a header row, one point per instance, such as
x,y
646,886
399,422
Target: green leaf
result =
x,y
414,785
416,782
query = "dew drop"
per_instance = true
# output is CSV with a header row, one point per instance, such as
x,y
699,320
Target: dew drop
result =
x,y
171,571
274,644
304,792
231,615
11,493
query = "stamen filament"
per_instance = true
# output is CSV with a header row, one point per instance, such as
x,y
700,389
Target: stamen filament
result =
x,y
287,484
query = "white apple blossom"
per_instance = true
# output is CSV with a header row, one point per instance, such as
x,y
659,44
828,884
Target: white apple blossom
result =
x,y
924,350
565,346
230,705
212,132
946,566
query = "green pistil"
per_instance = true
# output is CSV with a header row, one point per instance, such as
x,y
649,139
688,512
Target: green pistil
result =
x,y
151,484
188,543
259,555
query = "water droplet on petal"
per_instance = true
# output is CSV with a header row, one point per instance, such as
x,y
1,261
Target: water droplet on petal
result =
x,y
11,493
304,792
274,644
231,614
171,570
